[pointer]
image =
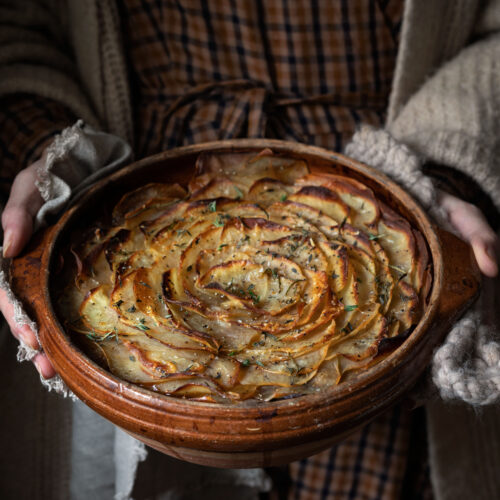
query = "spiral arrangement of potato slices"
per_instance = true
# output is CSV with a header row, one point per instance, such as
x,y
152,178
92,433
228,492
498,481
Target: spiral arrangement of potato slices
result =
x,y
266,278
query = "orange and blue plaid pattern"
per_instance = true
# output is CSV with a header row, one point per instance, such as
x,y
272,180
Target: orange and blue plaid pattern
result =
x,y
302,70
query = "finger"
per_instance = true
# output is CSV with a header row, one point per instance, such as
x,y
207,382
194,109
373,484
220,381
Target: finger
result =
x,y
484,253
22,206
473,227
20,332
44,366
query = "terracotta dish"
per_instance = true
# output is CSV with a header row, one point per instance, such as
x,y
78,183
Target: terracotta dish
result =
x,y
259,427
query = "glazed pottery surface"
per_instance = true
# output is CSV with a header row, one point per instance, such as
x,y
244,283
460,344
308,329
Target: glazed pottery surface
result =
x,y
248,434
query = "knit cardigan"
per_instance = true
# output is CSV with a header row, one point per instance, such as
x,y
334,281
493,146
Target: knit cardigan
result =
x,y
444,104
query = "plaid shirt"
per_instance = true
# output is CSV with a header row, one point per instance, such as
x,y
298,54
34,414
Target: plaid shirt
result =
x,y
302,70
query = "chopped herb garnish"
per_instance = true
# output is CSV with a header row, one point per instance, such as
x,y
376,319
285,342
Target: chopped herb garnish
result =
x,y
255,298
219,222
350,308
376,236
144,284
239,194
245,362
212,206
220,247
260,363
132,358
292,285
383,290
270,335
348,328
334,276
283,197
142,327
272,272
98,338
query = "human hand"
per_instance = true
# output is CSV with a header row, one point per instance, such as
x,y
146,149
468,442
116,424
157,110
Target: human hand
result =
x,y
17,222
471,224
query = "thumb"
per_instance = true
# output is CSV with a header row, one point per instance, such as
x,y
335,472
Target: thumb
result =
x,y
22,206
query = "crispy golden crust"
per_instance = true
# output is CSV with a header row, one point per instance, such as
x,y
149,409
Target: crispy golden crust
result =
x,y
266,279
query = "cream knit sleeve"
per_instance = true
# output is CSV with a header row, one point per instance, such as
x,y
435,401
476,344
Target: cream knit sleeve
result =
x,y
454,118
35,56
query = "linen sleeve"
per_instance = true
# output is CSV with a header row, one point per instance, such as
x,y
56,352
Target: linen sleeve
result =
x,y
454,118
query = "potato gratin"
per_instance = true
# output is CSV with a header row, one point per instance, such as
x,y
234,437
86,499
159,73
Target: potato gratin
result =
x,y
265,278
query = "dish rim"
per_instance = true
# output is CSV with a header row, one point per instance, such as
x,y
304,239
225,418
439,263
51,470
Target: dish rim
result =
x,y
345,390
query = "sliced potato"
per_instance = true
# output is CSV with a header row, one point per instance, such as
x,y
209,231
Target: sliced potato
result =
x,y
266,280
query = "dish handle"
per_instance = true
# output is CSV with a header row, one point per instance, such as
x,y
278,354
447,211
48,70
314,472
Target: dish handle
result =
x,y
461,279
26,277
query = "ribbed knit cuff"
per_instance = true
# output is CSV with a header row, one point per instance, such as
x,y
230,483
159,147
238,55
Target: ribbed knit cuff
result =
x,y
378,149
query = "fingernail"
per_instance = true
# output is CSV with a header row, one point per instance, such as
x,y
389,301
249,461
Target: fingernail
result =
x,y
37,366
7,242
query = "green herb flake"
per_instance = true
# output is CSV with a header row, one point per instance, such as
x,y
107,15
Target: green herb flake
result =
x,y
350,308
255,298
219,222
132,358
283,197
239,194
292,285
98,338
348,328
212,206
245,362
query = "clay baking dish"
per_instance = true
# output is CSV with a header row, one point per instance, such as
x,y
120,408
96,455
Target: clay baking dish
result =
x,y
243,434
